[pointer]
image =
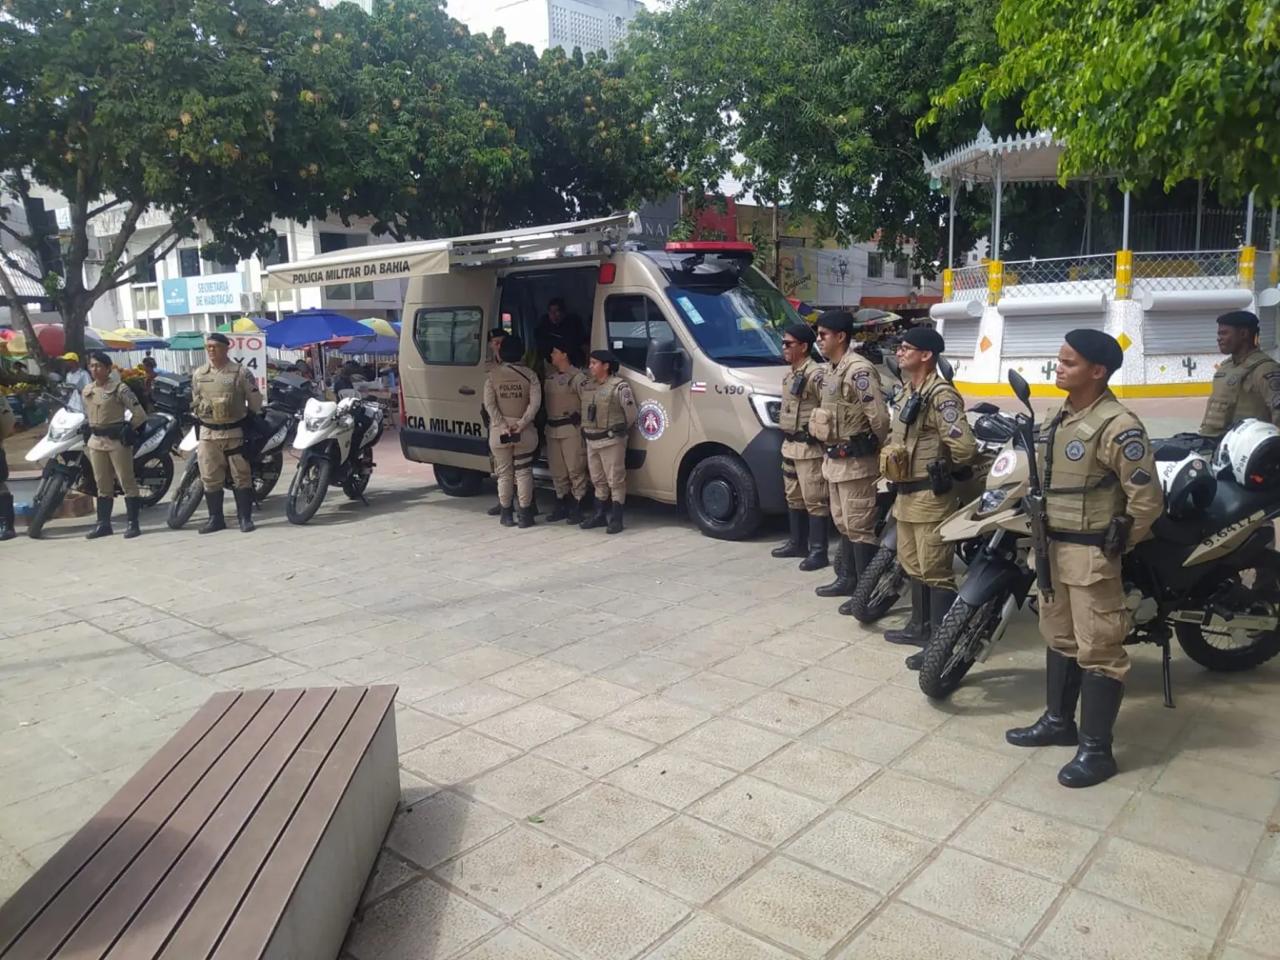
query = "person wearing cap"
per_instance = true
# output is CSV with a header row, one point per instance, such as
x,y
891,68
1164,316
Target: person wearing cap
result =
x,y
1101,496
76,378
931,448
1247,383
566,455
850,423
512,397
608,412
802,480
110,444
223,394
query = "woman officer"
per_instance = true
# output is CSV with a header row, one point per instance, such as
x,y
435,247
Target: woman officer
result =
x,y
110,448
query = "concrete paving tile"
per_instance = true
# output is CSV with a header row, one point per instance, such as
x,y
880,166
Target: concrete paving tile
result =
x,y
958,765
1230,952
707,938
858,849
533,678
688,858
646,673
421,920
590,697
784,712
35,819
1258,925
511,944
815,771
1247,742
221,658
480,662
457,757
418,683
889,703
794,645
415,728
589,655
377,667
758,667
471,703
901,933
669,778
1179,890
602,819
656,719
1233,791
828,686
182,646
730,743
14,871
926,808
442,826
1045,846
999,901
797,906
1036,788
757,809
876,740
261,674
389,872
333,650
513,870
595,749
36,773
1087,927
526,785
413,789
1267,860
1199,833
711,692
528,725
184,696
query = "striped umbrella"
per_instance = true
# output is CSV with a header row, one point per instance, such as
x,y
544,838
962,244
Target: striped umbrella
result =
x,y
54,340
244,325
139,338
381,327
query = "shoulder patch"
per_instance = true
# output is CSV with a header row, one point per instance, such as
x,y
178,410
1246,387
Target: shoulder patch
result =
x,y
1140,477
1133,433
1074,450
1135,450
867,398
955,433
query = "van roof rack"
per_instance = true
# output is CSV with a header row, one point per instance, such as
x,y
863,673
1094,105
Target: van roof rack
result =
x,y
395,261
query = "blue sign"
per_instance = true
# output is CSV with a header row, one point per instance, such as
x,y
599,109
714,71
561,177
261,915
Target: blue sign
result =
x,y
175,297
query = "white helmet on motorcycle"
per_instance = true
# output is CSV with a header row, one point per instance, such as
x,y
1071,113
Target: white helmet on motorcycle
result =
x,y
1188,485
1249,454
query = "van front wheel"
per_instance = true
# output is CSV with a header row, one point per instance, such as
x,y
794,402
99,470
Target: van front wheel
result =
x,y
458,482
722,498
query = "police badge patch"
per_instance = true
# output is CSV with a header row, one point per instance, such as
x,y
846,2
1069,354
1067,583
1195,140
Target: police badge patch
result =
x,y
1140,477
950,411
1135,450
1074,450
1133,433
862,382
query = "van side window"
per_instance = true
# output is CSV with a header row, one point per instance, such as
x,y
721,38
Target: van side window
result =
x,y
449,335
631,322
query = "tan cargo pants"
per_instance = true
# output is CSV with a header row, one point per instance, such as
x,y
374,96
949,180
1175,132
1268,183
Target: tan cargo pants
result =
x,y
216,458
925,556
607,462
805,487
853,508
514,472
1087,619
567,460
110,466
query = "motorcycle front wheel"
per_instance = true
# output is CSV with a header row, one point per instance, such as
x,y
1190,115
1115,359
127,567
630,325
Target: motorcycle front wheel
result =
x,y
879,587
356,484
187,497
48,498
1216,645
954,646
307,490
154,477
267,475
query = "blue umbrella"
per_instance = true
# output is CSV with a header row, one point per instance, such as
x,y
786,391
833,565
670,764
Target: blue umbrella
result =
x,y
312,326
383,346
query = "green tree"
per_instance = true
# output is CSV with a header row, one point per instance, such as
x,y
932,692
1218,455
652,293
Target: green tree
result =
x,y
1165,90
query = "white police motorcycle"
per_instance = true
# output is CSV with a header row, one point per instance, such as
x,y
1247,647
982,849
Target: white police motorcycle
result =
x,y
336,440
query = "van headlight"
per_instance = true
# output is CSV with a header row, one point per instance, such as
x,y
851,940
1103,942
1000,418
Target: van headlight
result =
x,y
991,501
768,409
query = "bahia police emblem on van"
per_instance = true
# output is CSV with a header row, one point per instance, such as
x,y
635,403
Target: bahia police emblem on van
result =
x,y
651,420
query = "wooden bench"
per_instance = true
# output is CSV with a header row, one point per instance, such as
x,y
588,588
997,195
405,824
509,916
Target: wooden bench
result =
x,y
250,834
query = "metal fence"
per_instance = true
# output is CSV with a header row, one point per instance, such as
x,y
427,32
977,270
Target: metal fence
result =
x,y
1185,270
1059,276
969,283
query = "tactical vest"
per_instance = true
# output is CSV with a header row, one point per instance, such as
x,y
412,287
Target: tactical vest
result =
x,y
841,399
923,437
794,418
219,396
1230,402
560,397
602,400
104,406
511,389
1081,494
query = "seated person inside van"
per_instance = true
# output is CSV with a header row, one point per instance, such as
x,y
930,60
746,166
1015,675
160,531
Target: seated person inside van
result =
x,y
558,324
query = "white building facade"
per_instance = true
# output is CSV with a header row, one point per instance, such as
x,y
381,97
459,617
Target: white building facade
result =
x,y
543,24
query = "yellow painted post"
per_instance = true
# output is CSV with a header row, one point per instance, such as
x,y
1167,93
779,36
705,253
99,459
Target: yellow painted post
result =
x,y
948,284
1124,274
1247,265
1273,275
995,281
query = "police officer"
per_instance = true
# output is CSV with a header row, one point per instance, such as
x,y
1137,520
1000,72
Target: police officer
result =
x,y
494,344
512,396
851,422
8,425
802,479
566,455
608,411
930,449
1247,383
1101,497
110,446
223,394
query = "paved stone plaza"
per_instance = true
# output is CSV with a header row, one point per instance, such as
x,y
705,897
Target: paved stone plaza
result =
x,y
653,745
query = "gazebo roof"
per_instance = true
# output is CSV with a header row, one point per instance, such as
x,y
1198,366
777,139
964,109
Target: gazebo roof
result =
x,y
26,288
1025,158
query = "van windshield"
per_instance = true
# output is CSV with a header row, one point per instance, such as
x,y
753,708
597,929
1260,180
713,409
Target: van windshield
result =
x,y
735,318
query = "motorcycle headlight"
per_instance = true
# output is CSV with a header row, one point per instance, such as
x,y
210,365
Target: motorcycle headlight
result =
x,y
768,409
315,424
60,434
991,501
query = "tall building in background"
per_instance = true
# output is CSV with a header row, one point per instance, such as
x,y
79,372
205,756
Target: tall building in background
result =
x,y
589,24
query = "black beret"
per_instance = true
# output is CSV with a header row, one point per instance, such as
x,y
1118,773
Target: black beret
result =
x,y
218,338
925,338
1239,318
800,331
1096,347
512,349
606,356
497,332
841,321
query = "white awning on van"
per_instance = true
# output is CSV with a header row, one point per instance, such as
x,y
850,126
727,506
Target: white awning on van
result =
x,y
394,261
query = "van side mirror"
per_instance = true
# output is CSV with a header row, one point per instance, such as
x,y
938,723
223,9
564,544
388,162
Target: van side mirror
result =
x,y
664,362
1020,388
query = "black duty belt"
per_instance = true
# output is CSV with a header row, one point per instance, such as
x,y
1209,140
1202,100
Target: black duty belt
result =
x,y
605,434
111,433
572,420
243,421
800,437
1084,539
913,486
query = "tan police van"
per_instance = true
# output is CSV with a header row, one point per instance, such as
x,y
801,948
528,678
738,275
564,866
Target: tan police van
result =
x,y
697,330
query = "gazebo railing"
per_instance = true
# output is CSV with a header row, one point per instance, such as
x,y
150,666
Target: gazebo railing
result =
x,y
1186,269
969,283
1059,276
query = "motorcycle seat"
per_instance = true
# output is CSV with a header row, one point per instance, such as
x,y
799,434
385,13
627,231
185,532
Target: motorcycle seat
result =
x,y
1232,502
275,418
154,423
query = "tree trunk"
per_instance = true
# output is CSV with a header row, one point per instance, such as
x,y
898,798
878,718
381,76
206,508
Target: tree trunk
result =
x,y
18,309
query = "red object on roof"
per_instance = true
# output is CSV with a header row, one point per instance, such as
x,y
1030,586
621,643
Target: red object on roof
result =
x,y
710,246
908,302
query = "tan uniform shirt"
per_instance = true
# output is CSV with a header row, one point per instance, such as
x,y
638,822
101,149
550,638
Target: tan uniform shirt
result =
x,y
105,407
1250,388
512,398
797,408
223,395
607,407
562,395
851,403
940,432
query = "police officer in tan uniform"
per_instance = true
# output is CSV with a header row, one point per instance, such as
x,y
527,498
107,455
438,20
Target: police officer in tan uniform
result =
x,y
223,394
8,426
512,396
851,422
608,412
1247,383
566,455
110,446
929,452
802,479
494,344
1101,497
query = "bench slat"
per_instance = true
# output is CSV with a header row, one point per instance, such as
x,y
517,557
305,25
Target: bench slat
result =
x,y
186,827
217,904
17,913
67,909
156,921
251,929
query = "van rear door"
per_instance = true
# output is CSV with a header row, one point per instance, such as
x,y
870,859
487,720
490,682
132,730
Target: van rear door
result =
x,y
442,367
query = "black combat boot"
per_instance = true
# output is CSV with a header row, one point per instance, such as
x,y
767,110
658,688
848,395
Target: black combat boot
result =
x,y
847,574
7,519
1057,725
216,521
495,510
103,528
561,511
863,554
599,517
526,517
1100,698
132,506
939,603
914,632
574,516
797,544
615,518
506,516
244,509
816,558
